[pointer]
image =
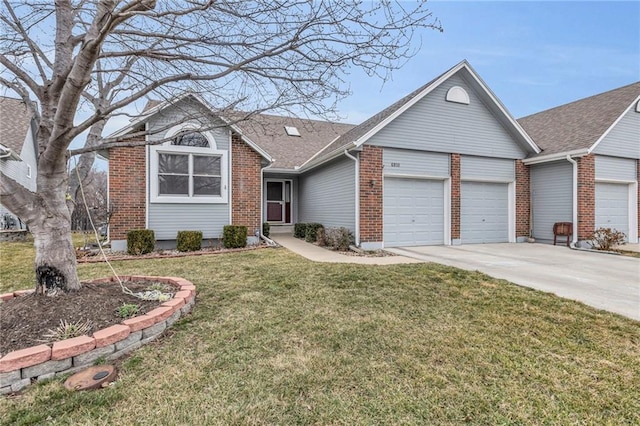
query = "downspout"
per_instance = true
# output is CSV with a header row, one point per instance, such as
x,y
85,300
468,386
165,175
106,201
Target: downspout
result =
x,y
574,237
269,242
357,195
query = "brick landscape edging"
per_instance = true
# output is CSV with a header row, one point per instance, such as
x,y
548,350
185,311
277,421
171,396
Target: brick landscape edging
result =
x,y
20,368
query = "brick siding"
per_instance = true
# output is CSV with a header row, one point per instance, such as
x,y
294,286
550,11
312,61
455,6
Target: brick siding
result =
x,y
371,220
455,196
586,196
245,203
523,199
127,189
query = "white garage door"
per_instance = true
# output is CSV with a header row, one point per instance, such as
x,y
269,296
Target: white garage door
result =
x,y
484,212
612,206
413,212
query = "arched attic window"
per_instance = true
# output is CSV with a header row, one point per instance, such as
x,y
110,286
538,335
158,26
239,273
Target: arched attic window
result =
x,y
458,95
191,138
638,106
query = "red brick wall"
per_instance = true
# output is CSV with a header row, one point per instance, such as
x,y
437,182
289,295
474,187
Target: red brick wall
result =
x,y
127,189
523,199
371,196
586,196
455,196
245,185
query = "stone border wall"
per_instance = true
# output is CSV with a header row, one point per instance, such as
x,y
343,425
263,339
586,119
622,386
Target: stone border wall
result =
x,y
20,368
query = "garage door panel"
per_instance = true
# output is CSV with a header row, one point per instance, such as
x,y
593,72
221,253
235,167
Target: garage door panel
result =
x,y
484,216
612,206
413,212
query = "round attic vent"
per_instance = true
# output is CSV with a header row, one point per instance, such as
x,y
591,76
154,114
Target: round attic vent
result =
x,y
458,95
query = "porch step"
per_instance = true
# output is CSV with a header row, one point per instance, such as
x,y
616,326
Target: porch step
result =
x,y
281,229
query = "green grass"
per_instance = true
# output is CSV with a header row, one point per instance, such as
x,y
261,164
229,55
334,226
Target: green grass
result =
x,y
276,339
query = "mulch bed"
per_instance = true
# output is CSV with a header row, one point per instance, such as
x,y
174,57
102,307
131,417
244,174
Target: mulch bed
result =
x,y
94,256
26,319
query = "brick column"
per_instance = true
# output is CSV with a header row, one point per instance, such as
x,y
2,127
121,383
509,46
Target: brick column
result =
x,y
455,196
523,199
371,201
127,190
586,196
245,185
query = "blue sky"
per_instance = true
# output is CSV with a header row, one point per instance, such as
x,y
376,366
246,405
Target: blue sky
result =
x,y
533,55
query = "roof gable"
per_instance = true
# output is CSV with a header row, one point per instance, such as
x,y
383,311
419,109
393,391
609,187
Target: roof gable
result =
x,y
363,132
579,125
15,120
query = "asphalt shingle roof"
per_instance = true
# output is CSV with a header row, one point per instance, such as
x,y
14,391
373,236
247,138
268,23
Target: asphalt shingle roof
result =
x,y
579,124
268,132
15,119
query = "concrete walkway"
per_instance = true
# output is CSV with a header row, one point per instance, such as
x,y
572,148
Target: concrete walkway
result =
x,y
601,280
319,254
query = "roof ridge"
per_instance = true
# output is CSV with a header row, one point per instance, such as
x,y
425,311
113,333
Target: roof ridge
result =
x,y
608,92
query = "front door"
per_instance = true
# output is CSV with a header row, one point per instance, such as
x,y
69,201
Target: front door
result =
x,y
279,201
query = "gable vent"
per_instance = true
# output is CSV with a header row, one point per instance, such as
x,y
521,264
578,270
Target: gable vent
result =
x,y
638,107
458,95
292,131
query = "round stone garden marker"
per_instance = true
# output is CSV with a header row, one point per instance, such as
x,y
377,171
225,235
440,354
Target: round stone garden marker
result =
x,y
92,378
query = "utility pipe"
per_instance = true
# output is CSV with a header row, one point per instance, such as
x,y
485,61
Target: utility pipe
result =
x,y
574,237
357,195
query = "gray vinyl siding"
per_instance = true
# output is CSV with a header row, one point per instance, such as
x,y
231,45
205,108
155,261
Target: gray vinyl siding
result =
x,y
551,197
17,170
197,114
415,163
167,219
327,195
615,168
433,124
624,138
487,169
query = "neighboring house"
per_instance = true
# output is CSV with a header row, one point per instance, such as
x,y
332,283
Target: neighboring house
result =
x,y
443,165
588,171
17,151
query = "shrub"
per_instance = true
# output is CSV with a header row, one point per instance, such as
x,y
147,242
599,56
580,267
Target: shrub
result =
x,y
140,241
127,310
339,238
266,228
189,240
234,236
607,238
300,230
321,237
311,235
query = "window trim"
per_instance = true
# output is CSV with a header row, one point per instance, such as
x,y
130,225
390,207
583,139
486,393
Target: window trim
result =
x,y
167,148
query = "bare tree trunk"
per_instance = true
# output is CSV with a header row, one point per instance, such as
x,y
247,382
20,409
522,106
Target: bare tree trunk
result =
x,y
83,166
55,257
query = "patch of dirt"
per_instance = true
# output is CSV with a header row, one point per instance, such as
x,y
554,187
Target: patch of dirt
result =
x,y
26,319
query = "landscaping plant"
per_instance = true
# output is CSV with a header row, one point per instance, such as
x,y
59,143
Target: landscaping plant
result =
x,y
607,239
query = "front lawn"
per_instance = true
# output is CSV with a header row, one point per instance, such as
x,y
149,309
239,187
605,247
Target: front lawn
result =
x,y
277,339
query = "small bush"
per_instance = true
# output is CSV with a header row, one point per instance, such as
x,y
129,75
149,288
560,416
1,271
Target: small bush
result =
x,y
311,235
300,230
266,228
321,237
140,241
339,239
234,236
127,310
189,240
606,238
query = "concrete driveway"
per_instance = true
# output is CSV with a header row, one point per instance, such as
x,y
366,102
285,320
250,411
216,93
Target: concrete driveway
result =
x,y
600,280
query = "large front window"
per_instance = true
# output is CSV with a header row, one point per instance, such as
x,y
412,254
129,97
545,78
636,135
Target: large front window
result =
x,y
188,170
